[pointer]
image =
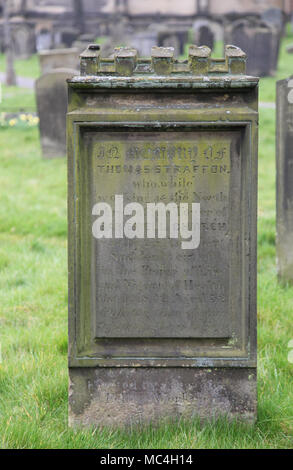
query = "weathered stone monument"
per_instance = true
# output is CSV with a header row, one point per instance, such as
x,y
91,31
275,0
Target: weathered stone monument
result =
x,y
260,41
51,96
162,193
284,154
171,37
58,58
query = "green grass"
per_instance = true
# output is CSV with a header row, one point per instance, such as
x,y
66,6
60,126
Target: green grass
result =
x,y
33,317
29,68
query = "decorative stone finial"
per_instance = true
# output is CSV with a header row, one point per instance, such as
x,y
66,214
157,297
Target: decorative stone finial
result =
x,y
162,62
89,60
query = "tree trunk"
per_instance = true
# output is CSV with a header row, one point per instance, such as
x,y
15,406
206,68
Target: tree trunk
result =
x,y
10,79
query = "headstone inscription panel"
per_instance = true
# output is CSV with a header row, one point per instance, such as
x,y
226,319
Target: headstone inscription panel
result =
x,y
284,193
162,288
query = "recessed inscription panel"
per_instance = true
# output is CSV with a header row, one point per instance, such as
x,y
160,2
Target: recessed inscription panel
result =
x,y
153,287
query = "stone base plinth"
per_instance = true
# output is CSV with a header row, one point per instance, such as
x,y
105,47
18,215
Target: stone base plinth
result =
x,y
124,396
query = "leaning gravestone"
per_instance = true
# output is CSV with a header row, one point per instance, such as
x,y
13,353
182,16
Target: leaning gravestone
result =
x,y
58,58
51,96
162,183
260,41
284,193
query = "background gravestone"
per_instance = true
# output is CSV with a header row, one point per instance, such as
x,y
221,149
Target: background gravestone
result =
x,y
284,154
67,36
51,96
82,41
157,331
259,40
175,38
276,17
205,37
59,58
23,38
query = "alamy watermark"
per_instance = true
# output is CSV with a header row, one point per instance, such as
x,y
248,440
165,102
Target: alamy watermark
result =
x,y
152,223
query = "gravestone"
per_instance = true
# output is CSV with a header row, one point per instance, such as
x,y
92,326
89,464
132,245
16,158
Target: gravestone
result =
x,y
58,58
284,155
68,36
51,96
24,41
205,37
274,16
171,37
162,191
44,40
144,42
260,41
82,41
277,18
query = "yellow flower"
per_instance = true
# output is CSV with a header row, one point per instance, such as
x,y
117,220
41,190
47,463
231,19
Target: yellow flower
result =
x,y
12,122
23,117
36,120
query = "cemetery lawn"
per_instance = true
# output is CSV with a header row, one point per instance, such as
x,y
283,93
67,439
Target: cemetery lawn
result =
x,y
33,316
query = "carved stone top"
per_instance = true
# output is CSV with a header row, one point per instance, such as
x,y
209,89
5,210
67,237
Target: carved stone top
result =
x,y
126,62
